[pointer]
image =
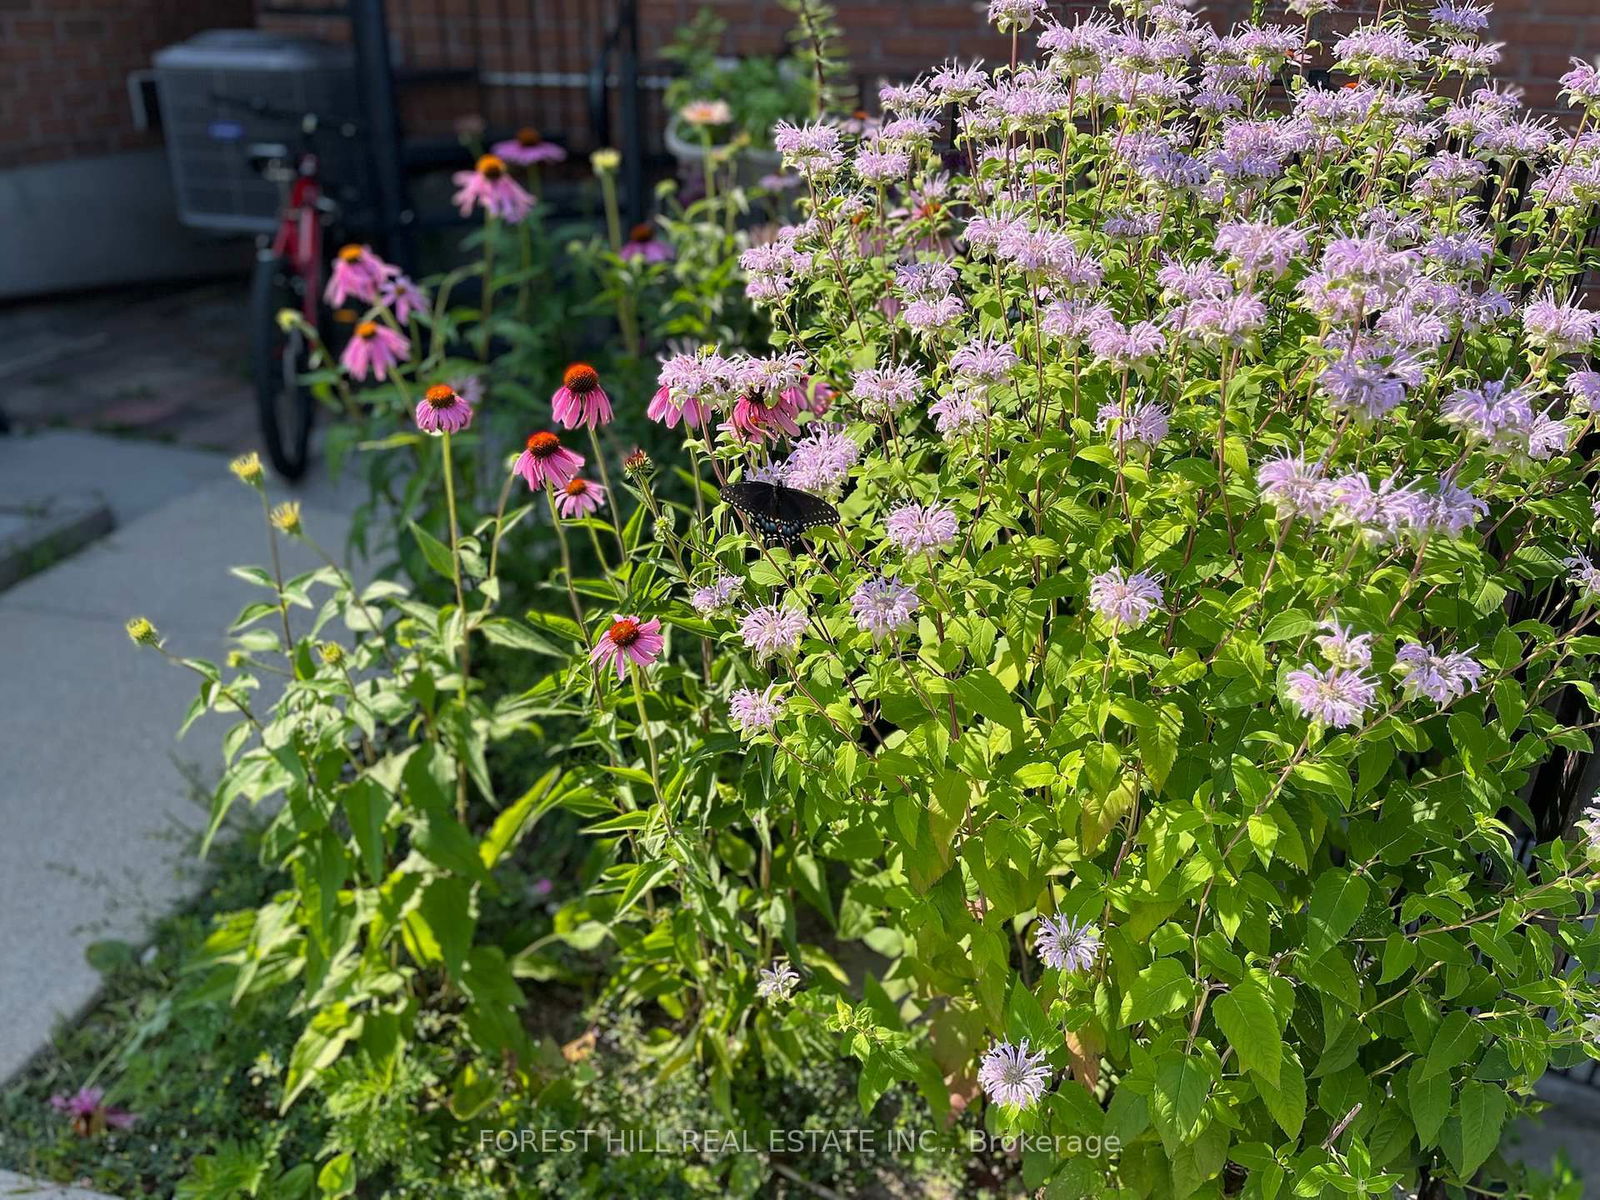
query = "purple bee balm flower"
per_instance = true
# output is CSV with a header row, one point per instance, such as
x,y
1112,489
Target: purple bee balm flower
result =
x,y
1584,576
1452,510
957,412
1143,426
921,528
1584,388
443,410
715,595
1012,1076
1496,413
1259,247
821,461
1067,946
931,315
884,390
883,606
1380,51
953,83
1344,647
1458,17
1380,513
1363,385
1293,486
1336,697
1559,328
1548,436
1193,281
880,166
777,982
755,712
1440,677
90,1114
1013,16
1582,84
1588,827
984,360
773,629
1075,321
1125,601
1122,348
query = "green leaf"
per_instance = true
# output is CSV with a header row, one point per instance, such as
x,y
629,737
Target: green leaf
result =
x,y
1161,988
1291,623
1336,902
435,551
1178,1099
1287,1101
518,818
338,1175
1472,1134
987,696
1429,1099
1246,1015
1456,1040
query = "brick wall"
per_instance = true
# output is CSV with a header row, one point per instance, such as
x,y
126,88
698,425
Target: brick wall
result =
x,y
64,66
64,63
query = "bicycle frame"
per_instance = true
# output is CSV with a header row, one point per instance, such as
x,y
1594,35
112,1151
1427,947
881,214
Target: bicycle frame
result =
x,y
299,236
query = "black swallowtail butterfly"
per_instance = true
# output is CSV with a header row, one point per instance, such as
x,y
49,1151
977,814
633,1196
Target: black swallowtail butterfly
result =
x,y
780,514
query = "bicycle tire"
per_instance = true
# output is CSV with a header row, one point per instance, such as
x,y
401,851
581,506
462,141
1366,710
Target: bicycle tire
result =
x,y
286,408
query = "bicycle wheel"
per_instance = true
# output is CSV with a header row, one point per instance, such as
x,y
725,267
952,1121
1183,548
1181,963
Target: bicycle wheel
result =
x,y
286,408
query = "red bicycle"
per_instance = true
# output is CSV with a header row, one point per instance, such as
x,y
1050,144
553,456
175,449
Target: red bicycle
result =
x,y
289,275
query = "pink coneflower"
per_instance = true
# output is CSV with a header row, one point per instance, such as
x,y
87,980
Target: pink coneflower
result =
x,y
489,186
643,243
629,638
812,395
757,420
375,349
528,149
546,460
443,410
357,274
579,497
668,411
90,1114
403,297
580,400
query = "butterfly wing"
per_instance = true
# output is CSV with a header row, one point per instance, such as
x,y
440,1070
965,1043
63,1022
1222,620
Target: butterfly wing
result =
x,y
779,514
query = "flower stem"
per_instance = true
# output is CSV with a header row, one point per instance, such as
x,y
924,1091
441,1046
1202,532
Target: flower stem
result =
x,y
464,653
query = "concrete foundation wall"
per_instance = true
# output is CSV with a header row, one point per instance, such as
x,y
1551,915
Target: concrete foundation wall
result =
x,y
92,222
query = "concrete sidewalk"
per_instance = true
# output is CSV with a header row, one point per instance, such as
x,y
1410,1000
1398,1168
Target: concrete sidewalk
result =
x,y
97,798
